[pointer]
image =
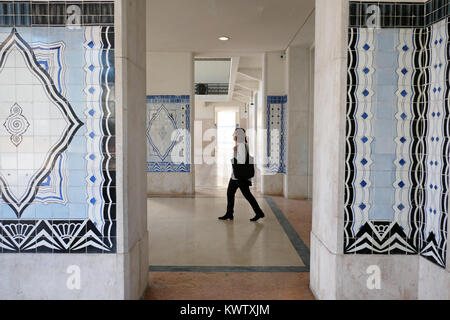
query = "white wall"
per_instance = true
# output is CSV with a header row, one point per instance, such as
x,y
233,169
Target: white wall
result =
x,y
172,73
204,119
276,73
203,111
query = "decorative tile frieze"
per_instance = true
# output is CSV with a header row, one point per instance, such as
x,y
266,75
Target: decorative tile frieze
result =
x,y
363,14
56,13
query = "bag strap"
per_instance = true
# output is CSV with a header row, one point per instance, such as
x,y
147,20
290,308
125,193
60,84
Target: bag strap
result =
x,y
247,155
247,152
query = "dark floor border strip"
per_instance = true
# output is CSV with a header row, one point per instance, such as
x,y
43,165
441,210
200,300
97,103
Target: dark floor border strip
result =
x,y
225,269
297,242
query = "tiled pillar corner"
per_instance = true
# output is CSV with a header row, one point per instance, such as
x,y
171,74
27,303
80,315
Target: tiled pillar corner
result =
x,y
170,110
131,79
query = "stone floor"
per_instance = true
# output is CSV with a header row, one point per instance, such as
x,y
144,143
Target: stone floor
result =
x,y
186,232
195,256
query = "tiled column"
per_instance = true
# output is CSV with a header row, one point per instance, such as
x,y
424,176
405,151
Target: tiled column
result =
x,y
72,110
170,119
366,192
131,144
272,119
329,133
335,275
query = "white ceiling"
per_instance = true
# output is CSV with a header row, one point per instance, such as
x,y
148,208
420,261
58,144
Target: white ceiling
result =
x,y
253,25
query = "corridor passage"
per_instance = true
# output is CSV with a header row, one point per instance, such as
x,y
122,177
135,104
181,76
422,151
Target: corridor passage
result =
x,y
193,255
216,175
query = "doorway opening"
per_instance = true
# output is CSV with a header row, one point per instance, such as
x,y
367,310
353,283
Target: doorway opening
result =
x,y
215,172
191,241
226,124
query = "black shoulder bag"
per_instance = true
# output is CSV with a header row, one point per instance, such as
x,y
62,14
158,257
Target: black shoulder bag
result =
x,y
244,171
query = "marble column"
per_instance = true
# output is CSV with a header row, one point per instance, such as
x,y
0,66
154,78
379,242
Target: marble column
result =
x,y
274,85
297,181
131,70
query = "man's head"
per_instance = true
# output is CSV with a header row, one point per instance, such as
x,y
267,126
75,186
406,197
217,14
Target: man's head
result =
x,y
239,135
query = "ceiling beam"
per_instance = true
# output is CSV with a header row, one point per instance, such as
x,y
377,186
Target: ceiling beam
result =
x,y
251,73
233,76
241,99
243,93
227,54
231,103
252,85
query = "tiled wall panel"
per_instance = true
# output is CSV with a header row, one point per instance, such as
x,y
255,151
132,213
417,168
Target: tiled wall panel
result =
x,y
168,134
379,137
57,146
396,182
276,134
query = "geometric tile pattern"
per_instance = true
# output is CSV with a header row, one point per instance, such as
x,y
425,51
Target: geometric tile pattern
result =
x,y
434,227
276,134
48,55
396,168
57,128
168,133
379,108
23,168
